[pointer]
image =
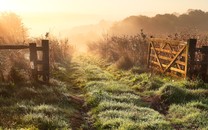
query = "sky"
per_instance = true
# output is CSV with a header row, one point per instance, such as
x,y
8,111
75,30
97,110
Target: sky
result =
x,y
58,15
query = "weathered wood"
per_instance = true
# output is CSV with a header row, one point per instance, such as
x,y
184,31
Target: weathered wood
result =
x,y
171,68
190,52
161,40
180,63
170,59
158,60
167,51
174,59
204,67
39,67
171,49
14,46
33,60
45,46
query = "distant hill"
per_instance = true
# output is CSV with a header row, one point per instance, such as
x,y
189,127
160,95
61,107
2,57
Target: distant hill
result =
x,y
193,20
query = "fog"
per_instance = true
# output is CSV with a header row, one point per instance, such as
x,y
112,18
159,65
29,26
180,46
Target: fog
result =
x,y
82,29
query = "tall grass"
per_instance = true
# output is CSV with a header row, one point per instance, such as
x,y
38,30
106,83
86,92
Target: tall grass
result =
x,y
124,51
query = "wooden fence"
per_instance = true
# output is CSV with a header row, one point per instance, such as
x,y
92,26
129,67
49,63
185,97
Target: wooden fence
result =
x,y
39,59
178,59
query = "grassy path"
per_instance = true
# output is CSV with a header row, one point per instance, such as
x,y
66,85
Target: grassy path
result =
x,y
113,104
117,100
90,94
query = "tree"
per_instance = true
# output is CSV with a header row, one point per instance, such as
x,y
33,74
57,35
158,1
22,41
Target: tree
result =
x,y
12,30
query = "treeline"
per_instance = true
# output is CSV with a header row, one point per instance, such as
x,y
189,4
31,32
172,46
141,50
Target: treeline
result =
x,y
194,21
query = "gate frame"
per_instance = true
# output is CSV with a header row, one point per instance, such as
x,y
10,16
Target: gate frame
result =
x,y
187,51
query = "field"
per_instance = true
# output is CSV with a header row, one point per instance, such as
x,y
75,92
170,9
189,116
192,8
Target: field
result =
x,y
89,93
107,88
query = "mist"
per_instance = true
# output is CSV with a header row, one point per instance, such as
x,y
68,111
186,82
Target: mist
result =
x,y
82,29
193,21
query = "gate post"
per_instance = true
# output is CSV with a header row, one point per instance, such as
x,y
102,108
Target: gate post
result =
x,y
45,50
190,56
204,63
33,60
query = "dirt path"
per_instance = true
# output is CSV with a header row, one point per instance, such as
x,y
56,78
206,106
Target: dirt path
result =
x,y
80,119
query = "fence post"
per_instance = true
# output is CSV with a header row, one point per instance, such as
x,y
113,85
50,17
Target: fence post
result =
x,y
45,46
204,63
33,60
190,56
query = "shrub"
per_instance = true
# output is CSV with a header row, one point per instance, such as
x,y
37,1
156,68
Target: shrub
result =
x,y
125,51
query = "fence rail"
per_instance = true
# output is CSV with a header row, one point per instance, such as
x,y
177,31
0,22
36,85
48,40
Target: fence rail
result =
x,y
14,46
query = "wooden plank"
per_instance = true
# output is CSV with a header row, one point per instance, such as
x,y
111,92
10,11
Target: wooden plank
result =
x,y
39,48
190,52
175,58
158,60
173,55
170,59
204,67
14,46
172,42
167,73
171,68
167,51
33,60
45,46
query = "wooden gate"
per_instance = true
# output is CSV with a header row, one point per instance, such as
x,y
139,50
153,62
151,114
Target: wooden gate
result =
x,y
170,56
39,59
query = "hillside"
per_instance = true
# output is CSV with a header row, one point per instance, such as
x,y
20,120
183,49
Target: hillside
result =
x,y
194,21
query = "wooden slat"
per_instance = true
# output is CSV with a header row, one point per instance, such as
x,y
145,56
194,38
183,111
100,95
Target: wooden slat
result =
x,y
171,68
158,60
167,73
39,48
45,46
168,51
172,42
173,55
174,59
14,46
170,59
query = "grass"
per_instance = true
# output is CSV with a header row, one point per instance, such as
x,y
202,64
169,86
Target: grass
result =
x,y
192,115
130,100
114,104
115,100
35,106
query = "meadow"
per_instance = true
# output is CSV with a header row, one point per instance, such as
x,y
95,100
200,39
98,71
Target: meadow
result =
x,y
107,88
